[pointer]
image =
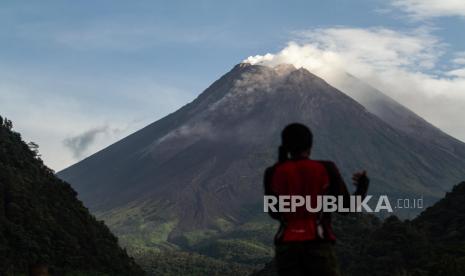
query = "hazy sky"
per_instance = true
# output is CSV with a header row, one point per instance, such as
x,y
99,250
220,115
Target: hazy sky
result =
x,y
76,76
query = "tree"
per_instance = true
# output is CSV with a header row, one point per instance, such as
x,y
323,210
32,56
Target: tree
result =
x,y
34,148
7,123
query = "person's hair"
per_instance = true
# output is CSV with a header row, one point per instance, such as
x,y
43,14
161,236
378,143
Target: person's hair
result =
x,y
295,138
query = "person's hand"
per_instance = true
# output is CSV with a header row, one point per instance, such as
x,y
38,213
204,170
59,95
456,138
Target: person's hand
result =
x,y
360,178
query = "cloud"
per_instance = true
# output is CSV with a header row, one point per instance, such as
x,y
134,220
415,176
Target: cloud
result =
x,y
48,108
403,65
459,58
457,73
80,144
421,9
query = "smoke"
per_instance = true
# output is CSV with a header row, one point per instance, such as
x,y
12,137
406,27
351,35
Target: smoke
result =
x,y
197,129
249,88
408,66
79,144
362,51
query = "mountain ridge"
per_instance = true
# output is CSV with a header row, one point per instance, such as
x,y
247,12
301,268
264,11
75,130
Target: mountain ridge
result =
x,y
396,114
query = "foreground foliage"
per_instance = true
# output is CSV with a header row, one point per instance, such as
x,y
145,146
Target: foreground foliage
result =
x,y
42,221
184,263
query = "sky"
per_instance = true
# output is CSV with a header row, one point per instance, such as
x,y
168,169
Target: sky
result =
x,y
76,76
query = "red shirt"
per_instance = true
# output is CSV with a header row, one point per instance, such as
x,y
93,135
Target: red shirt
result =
x,y
302,177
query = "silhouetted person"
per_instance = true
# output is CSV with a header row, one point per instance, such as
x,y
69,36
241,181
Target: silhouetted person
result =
x,y
304,243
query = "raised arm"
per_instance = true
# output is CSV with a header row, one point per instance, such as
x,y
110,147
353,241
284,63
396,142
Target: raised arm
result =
x,y
337,186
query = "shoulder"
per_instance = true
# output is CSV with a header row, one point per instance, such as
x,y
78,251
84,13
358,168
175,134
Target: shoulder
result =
x,y
318,165
270,170
279,168
330,165
325,162
279,165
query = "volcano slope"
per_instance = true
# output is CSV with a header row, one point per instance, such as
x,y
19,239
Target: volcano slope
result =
x,y
195,176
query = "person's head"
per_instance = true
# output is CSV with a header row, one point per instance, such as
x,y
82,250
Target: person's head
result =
x,y
296,141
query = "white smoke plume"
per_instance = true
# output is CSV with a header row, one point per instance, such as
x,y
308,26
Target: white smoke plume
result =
x,y
196,129
404,65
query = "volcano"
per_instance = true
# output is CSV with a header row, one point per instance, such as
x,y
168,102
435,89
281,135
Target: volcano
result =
x,y
200,168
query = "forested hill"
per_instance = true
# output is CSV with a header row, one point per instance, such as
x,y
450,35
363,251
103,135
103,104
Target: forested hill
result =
x,y
445,221
42,221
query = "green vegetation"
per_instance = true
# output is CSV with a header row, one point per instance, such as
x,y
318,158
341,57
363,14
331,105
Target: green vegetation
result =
x,y
42,221
236,250
187,264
